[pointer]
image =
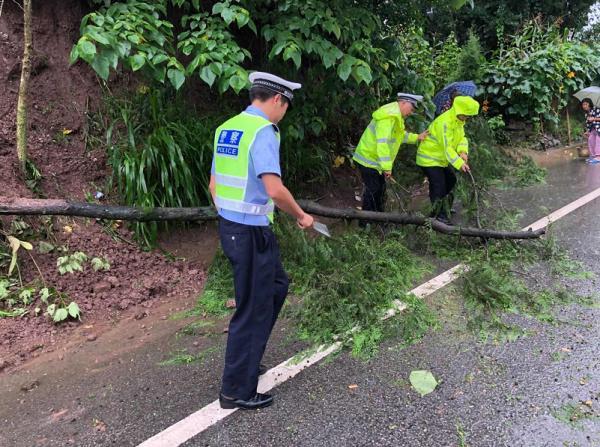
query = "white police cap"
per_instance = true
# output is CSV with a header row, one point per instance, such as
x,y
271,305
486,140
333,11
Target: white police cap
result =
x,y
273,83
414,99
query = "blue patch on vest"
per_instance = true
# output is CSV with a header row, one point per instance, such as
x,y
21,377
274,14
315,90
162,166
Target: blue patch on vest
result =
x,y
227,150
229,142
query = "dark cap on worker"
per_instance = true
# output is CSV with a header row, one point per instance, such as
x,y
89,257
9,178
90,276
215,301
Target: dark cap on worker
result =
x,y
413,99
274,83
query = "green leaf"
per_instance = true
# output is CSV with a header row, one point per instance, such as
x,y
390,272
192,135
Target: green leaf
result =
x,y
113,58
100,264
26,295
237,83
207,75
177,77
73,310
252,26
60,315
159,59
228,15
4,289
101,65
74,55
51,309
362,73
15,244
217,68
294,54
218,8
86,50
457,4
200,59
44,295
345,68
137,61
97,36
423,382
134,38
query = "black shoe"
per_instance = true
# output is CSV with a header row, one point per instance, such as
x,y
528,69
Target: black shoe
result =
x,y
444,220
262,369
258,401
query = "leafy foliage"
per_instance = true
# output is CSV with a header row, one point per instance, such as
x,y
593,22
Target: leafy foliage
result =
x,y
536,75
332,302
138,35
100,264
159,152
71,263
493,286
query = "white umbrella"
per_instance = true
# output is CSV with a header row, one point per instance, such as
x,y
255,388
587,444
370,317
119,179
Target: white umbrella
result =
x,y
592,92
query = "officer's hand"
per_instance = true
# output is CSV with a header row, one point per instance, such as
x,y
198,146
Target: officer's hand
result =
x,y
387,174
423,135
465,168
306,221
464,156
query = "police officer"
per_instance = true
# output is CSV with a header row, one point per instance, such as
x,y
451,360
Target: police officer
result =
x,y
378,147
445,150
246,184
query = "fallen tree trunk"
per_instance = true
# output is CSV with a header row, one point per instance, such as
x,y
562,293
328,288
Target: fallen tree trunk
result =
x,y
413,219
59,207
44,207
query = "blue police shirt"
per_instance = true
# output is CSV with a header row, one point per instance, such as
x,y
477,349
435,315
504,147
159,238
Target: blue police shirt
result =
x,y
264,159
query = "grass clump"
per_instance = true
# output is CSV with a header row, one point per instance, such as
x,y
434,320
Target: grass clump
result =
x,y
346,284
218,288
160,153
574,414
183,357
497,283
527,173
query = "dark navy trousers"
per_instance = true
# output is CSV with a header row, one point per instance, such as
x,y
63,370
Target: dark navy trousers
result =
x,y
261,286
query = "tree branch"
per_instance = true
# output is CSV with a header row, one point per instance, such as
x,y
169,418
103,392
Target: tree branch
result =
x,y
37,207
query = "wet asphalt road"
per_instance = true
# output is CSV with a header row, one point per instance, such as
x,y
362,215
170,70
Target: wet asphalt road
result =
x,y
507,394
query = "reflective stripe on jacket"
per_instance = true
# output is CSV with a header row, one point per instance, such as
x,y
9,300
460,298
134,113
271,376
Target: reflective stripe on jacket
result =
x,y
447,140
381,140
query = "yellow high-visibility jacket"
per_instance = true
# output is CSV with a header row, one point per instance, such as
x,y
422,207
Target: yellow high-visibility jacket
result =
x,y
446,139
379,143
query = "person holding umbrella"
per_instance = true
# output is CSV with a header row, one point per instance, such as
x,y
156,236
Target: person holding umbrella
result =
x,y
444,150
592,129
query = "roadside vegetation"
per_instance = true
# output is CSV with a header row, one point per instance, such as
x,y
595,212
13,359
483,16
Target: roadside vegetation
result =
x,y
189,61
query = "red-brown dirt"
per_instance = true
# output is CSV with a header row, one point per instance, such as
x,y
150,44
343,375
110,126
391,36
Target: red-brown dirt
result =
x,y
59,98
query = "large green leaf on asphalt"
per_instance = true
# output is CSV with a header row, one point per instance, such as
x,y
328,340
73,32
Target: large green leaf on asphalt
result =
x,y
423,382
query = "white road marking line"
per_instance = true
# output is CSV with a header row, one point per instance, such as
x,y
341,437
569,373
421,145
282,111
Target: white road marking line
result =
x,y
199,421
204,418
562,212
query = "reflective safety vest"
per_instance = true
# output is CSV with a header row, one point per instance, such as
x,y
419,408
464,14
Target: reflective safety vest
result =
x,y
379,143
446,139
233,141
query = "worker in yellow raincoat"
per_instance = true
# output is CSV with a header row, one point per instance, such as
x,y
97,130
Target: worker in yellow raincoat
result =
x,y
445,150
379,145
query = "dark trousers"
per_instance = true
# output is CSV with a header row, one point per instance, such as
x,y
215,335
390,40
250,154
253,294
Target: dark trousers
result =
x,y
261,286
374,189
441,183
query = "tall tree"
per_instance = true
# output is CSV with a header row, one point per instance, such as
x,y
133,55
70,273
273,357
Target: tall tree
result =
x,y
23,87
